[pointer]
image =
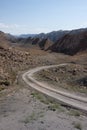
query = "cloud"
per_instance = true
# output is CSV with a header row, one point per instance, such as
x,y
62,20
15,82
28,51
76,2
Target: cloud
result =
x,y
10,26
2,25
19,29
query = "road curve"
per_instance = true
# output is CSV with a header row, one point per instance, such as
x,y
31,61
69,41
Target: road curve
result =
x,y
66,98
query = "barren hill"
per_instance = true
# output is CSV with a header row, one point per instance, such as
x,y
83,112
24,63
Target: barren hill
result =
x,y
71,43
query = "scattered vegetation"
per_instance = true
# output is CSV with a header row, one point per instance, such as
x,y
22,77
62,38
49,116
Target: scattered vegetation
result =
x,y
33,117
5,82
73,112
2,88
77,125
52,104
30,118
41,97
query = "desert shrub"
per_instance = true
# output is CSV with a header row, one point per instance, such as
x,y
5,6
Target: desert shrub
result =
x,y
6,83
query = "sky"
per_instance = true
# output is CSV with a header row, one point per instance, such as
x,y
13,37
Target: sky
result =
x,y
36,16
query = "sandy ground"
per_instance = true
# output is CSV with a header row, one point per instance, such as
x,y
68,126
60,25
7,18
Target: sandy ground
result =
x,y
22,111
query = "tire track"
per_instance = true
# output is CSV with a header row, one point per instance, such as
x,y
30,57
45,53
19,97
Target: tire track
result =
x,y
66,98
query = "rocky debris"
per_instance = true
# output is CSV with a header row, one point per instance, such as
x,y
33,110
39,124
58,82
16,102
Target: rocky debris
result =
x,y
83,81
72,75
12,61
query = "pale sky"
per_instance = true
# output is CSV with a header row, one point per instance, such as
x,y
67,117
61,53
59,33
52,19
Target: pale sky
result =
x,y
36,16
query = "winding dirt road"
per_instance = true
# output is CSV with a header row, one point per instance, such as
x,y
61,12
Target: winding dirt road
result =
x,y
66,98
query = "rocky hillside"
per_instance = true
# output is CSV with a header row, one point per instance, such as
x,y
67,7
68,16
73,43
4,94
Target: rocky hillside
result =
x,y
53,36
29,42
45,43
12,60
71,43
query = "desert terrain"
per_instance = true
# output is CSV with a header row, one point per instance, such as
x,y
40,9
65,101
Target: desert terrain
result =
x,y
23,108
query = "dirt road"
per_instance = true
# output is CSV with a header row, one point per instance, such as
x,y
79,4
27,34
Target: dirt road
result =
x,y
64,97
23,109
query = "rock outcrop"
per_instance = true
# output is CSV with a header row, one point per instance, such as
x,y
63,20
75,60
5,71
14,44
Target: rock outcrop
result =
x,y
44,44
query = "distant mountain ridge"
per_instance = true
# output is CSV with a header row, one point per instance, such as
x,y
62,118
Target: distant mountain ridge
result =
x,y
67,42
53,36
27,35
